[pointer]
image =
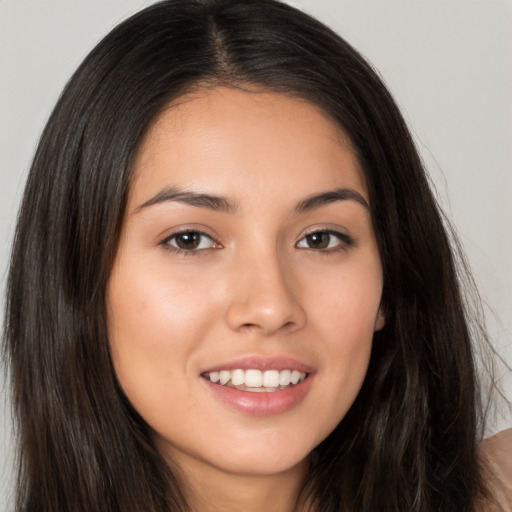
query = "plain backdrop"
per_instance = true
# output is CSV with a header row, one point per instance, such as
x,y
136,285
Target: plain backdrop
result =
x,y
447,62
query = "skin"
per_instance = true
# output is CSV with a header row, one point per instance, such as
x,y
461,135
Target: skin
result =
x,y
254,287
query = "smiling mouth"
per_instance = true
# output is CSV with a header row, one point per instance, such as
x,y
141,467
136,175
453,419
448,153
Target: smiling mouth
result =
x,y
256,381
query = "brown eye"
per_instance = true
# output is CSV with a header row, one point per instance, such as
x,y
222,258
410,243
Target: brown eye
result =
x,y
190,241
325,240
318,240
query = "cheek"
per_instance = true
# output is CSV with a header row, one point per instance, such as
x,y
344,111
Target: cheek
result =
x,y
347,301
155,322
154,301
345,316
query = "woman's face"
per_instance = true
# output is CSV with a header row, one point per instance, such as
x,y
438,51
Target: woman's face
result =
x,y
246,287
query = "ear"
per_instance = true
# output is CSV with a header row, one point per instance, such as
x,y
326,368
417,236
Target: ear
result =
x,y
380,321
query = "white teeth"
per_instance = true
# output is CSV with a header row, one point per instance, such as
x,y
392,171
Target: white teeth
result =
x,y
295,377
253,378
257,380
284,377
237,377
224,375
271,379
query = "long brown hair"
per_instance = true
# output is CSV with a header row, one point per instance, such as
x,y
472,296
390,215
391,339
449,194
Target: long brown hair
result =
x,y
409,441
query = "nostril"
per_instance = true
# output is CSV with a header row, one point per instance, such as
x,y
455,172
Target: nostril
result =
x,y
290,325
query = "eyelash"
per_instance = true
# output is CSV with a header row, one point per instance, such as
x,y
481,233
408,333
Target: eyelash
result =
x,y
166,242
345,242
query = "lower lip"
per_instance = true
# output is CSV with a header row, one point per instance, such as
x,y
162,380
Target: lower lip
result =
x,y
261,404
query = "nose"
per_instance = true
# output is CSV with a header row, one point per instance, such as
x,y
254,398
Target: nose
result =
x,y
264,297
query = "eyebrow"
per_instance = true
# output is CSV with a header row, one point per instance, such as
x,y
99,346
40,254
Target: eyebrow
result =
x,y
324,198
200,200
222,204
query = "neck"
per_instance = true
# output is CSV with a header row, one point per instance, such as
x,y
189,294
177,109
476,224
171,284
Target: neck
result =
x,y
214,490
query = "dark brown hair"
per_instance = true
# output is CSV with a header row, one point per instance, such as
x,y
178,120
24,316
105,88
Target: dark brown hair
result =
x,y
409,441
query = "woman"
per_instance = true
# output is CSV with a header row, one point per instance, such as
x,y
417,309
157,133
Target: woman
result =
x,y
231,287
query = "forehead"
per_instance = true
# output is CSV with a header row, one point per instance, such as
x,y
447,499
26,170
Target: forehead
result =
x,y
246,140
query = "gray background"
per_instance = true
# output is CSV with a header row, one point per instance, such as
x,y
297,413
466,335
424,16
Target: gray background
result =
x,y
448,63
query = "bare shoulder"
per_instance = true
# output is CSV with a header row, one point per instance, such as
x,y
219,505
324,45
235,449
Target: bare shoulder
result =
x,y
496,455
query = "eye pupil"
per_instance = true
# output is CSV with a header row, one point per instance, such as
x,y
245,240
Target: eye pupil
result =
x,y
318,240
189,240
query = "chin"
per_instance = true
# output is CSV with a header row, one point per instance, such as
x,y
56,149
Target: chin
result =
x,y
263,464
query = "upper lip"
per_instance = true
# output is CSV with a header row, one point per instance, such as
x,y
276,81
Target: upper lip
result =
x,y
259,362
